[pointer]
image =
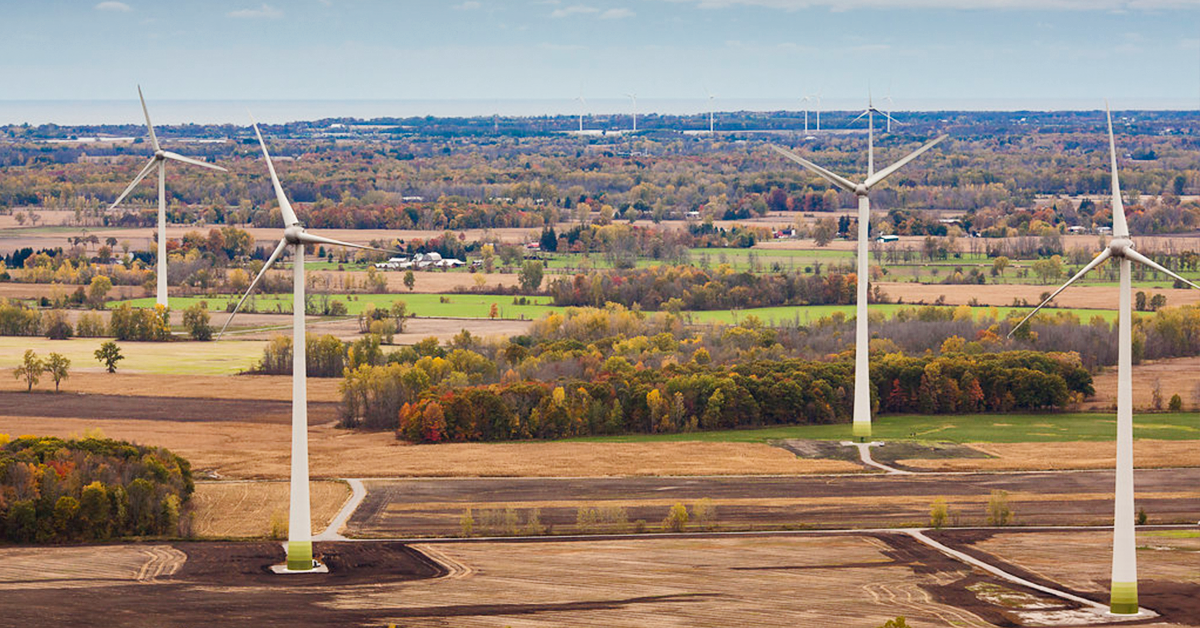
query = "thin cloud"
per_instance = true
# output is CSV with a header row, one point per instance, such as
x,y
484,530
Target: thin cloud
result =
x,y
1021,5
575,9
616,14
468,6
265,11
119,7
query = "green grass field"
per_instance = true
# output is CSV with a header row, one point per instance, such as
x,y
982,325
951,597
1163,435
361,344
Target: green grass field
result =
x,y
227,357
812,313
1008,428
428,305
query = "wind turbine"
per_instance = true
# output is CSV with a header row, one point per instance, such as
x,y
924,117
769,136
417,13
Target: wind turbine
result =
x,y
710,111
817,98
1123,598
805,102
891,107
870,112
299,547
159,159
634,98
582,109
862,375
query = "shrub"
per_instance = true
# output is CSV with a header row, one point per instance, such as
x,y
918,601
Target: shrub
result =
x,y
998,511
939,512
704,513
196,319
466,524
677,518
56,325
1176,403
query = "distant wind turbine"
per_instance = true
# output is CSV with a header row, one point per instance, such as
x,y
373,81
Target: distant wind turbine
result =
x,y
582,109
299,547
862,375
634,98
159,159
710,111
805,102
1123,596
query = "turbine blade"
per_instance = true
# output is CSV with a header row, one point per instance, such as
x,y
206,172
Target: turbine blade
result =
x,y
1120,226
1138,257
309,238
839,181
136,180
860,116
153,137
883,174
195,162
289,216
888,116
1105,254
254,284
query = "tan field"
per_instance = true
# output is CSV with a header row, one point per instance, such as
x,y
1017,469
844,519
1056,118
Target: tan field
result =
x,y
1147,454
246,509
257,450
1177,376
427,281
1091,297
262,387
415,329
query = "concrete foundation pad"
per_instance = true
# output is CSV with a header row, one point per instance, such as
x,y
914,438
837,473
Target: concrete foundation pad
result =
x,y
282,569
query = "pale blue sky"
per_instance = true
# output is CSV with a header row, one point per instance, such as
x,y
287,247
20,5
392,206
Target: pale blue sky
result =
x,y
1137,52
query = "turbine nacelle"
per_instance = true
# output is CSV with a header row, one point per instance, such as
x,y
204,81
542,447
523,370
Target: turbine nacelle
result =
x,y
294,234
1119,247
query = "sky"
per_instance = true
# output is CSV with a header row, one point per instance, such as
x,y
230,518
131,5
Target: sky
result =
x,y
926,54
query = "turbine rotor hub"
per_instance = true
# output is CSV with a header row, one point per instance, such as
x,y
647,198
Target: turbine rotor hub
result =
x,y
292,234
860,190
1118,246
160,154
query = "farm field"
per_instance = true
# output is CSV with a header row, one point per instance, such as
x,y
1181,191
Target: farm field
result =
x,y
401,508
974,428
203,358
424,305
777,580
247,509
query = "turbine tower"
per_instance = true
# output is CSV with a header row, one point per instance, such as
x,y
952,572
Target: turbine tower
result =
x,y
805,102
159,159
710,111
862,376
299,547
634,98
1123,598
582,110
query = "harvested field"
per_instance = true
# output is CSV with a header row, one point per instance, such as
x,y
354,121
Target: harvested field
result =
x,y
219,584
230,387
1089,297
204,358
245,509
1168,581
32,568
253,449
53,290
1049,455
435,507
1176,376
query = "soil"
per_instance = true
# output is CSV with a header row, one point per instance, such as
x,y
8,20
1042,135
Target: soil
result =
x,y
1002,295
1176,602
146,408
435,507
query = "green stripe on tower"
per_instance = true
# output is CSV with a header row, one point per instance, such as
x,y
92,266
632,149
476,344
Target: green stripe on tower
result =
x,y
299,556
1124,598
862,429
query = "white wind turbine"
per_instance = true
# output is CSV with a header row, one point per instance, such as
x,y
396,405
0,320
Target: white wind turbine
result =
x,y
805,102
582,109
817,98
159,159
862,375
1123,598
711,97
299,547
634,98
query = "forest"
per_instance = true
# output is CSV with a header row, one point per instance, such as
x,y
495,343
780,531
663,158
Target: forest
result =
x,y
92,489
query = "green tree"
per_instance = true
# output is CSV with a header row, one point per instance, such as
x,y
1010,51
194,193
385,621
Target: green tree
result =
x,y
196,320
898,622
1176,403
410,280
998,265
530,276
109,354
57,365
30,370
